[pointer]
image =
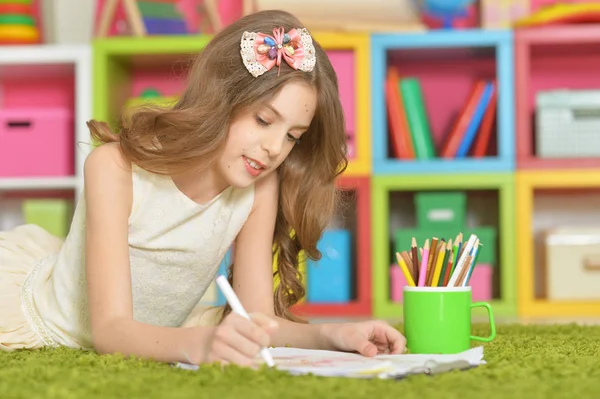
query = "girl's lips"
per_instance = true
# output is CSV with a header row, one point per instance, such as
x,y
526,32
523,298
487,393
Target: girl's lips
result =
x,y
262,165
251,170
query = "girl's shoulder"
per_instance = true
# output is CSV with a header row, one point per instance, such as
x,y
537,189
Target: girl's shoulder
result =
x,y
107,159
108,162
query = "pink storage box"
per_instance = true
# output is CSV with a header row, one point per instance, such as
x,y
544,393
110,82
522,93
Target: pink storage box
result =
x,y
481,283
36,142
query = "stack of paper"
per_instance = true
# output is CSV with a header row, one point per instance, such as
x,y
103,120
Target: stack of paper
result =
x,y
341,364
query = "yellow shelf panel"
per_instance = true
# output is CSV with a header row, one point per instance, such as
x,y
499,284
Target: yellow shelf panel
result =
x,y
550,309
559,178
360,44
526,183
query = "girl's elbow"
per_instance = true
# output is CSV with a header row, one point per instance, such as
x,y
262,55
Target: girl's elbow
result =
x,y
102,343
104,336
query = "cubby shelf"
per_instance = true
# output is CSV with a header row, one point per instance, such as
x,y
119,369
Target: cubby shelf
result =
x,y
527,182
118,59
52,61
114,58
382,186
523,63
361,306
548,58
491,53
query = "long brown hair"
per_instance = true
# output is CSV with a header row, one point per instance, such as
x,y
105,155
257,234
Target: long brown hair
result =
x,y
193,131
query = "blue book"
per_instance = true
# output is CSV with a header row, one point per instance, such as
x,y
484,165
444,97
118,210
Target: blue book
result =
x,y
473,126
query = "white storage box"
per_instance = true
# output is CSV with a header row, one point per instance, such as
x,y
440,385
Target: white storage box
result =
x,y
568,124
572,263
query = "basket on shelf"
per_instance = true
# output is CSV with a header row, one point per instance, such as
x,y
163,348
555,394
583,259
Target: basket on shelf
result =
x,y
568,124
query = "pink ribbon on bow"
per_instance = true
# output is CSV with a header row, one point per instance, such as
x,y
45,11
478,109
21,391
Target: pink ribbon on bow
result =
x,y
292,51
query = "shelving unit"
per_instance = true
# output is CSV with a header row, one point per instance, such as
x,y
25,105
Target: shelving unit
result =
x,y
124,66
522,192
502,187
52,61
360,306
38,77
447,63
552,58
530,185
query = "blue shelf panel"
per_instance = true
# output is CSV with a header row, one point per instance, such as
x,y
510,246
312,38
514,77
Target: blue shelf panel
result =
x,y
441,166
444,38
501,43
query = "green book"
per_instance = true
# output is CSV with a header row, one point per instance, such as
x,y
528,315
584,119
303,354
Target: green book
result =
x,y
417,118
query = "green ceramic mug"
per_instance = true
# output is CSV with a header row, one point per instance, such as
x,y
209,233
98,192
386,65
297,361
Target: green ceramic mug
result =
x,y
437,320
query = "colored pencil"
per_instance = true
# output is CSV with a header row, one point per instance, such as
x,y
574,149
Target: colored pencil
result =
x,y
448,270
405,270
438,265
424,261
445,263
415,257
457,247
461,263
463,273
432,258
409,263
477,250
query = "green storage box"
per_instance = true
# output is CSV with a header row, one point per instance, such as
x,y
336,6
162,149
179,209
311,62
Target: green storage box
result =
x,y
53,215
487,236
441,210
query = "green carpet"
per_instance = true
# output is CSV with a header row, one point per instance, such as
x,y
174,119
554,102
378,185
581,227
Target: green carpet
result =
x,y
524,361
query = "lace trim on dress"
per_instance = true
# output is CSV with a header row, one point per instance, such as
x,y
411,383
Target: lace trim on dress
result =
x,y
32,316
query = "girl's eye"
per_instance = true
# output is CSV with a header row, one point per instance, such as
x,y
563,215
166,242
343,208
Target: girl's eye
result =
x,y
293,139
261,121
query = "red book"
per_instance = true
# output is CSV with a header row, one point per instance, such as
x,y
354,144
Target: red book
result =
x,y
454,138
485,130
399,132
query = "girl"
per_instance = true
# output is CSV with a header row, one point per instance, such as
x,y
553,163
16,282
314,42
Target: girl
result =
x,y
248,156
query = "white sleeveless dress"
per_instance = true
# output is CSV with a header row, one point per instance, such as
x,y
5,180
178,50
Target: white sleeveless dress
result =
x,y
175,249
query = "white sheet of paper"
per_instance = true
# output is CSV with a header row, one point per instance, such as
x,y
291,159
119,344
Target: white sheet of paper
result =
x,y
340,364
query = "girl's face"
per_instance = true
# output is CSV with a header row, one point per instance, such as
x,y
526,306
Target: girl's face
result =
x,y
259,141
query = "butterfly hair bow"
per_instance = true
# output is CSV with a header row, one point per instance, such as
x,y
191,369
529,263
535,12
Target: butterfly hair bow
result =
x,y
260,52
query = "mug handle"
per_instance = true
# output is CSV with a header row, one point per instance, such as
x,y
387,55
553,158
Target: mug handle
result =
x,y
492,323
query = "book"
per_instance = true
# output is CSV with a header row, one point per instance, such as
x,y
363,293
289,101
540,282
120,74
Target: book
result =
x,y
399,131
475,122
453,139
482,140
416,115
325,363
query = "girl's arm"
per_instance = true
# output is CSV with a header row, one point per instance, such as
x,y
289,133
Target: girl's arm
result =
x,y
253,274
253,282
108,195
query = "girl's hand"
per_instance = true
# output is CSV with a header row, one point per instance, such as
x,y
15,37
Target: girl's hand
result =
x,y
367,338
238,340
